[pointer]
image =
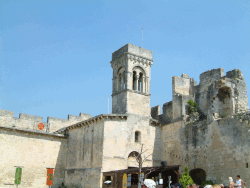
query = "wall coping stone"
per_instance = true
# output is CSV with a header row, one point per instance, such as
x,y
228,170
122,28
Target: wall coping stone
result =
x,y
32,131
99,117
93,119
155,122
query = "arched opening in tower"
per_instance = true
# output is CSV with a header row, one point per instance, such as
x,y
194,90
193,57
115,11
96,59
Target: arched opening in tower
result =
x,y
226,106
140,82
134,80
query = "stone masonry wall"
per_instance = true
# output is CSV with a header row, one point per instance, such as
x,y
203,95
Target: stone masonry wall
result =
x,y
30,122
240,92
138,104
181,85
84,156
155,112
119,142
57,123
216,96
225,96
119,103
220,148
168,111
34,151
131,80
132,49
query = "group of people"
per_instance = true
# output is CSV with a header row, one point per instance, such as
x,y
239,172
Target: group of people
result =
x,y
238,184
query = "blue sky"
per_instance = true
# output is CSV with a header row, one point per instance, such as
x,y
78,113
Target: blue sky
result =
x,y
55,55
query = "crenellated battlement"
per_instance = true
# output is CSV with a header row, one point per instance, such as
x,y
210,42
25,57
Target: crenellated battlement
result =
x,y
234,74
211,75
6,113
27,121
216,96
30,117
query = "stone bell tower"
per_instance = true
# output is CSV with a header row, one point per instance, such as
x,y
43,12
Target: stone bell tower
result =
x,y
131,80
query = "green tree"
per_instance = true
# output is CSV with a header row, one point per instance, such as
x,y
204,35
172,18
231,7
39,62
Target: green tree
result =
x,y
186,178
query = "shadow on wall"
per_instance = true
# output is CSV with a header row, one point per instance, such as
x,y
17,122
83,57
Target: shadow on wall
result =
x,y
157,147
59,171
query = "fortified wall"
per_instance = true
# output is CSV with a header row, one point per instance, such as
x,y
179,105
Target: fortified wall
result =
x,y
214,141
30,122
213,151
216,96
24,144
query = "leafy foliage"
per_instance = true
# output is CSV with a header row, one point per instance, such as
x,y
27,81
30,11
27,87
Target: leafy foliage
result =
x,y
186,179
192,106
207,182
223,116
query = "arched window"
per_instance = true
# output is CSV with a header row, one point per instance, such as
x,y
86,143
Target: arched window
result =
x,y
137,136
120,82
121,79
134,80
138,79
140,82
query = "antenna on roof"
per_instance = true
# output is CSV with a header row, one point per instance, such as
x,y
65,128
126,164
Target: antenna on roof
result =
x,y
108,104
142,38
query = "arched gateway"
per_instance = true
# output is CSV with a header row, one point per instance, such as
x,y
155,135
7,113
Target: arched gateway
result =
x,y
198,175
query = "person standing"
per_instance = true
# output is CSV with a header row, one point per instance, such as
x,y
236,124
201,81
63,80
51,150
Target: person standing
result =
x,y
239,182
231,182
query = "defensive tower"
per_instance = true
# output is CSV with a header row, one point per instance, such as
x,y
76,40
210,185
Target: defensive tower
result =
x,y
131,80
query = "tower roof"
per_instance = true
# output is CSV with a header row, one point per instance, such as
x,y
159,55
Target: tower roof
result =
x,y
132,49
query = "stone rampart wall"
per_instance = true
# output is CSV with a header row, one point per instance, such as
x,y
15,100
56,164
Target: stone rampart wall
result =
x,y
216,96
168,111
209,76
34,151
181,85
30,122
155,112
221,148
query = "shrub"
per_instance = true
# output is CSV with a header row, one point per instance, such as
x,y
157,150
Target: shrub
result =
x,y
192,106
223,116
186,179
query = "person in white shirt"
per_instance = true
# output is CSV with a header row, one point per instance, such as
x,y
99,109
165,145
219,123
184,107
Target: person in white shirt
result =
x,y
239,182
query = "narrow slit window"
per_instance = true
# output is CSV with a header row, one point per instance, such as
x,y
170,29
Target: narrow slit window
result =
x,y
137,136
